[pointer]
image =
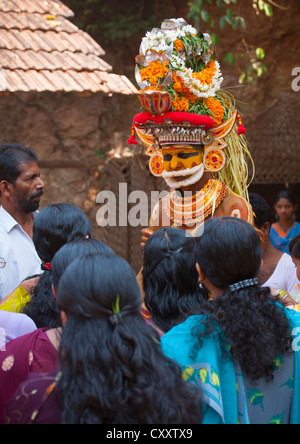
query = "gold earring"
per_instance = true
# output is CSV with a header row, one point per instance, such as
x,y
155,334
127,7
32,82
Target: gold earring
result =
x,y
214,160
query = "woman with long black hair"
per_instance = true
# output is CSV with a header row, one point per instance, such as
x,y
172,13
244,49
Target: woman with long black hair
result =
x,y
37,352
238,347
112,369
170,279
53,227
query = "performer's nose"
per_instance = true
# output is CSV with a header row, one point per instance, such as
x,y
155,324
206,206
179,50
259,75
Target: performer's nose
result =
x,y
176,164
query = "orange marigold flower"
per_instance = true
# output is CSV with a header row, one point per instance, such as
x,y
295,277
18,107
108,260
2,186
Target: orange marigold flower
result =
x,y
190,96
206,75
178,45
214,105
150,88
178,84
181,104
179,87
154,72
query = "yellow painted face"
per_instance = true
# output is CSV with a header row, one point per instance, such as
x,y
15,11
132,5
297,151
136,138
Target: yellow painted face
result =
x,y
181,157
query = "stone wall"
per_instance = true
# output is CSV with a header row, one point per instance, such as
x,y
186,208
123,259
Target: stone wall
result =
x,y
82,147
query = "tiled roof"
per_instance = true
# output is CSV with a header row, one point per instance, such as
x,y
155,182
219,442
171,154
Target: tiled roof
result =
x,y
41,50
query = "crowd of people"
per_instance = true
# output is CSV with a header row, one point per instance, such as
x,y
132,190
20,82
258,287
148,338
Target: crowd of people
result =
x,y
206,337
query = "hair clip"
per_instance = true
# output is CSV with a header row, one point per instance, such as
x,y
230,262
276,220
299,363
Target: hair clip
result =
x,y
115,319
177,251
243,284
46,266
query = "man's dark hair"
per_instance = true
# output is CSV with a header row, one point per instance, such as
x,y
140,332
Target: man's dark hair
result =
x,y
11,156
262,210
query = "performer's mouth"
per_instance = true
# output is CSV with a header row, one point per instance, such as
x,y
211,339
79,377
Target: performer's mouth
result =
x,y
180,178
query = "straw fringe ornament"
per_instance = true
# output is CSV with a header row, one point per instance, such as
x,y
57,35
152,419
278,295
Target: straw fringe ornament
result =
x,y
235,174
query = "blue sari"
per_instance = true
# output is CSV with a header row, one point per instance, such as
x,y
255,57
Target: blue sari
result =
x,y
228,397
281,240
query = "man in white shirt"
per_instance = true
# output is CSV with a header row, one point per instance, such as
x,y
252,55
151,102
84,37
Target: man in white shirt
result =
x,y
285,277
21,189
278,270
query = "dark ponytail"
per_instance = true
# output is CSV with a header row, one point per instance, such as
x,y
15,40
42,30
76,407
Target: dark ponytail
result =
x,y
170,278
113,370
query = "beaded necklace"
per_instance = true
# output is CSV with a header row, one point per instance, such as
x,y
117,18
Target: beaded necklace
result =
x,y
194,209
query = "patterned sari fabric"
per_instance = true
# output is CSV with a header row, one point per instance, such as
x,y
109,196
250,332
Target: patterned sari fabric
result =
x,y
31,353
229,397
280,239
35,401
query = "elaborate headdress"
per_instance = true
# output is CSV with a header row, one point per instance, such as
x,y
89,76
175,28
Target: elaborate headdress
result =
x,y
180,92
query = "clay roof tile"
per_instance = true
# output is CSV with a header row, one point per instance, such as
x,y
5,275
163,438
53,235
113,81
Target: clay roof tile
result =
x,y
41,50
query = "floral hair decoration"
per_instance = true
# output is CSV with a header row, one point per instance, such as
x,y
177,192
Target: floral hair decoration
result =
x,y
182,100
115,318
46,266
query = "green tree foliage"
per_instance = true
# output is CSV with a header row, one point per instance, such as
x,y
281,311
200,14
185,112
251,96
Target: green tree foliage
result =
x,y
120,21
116,21
199,13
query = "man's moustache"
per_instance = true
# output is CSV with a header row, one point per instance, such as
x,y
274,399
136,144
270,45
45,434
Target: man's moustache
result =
x,y
191,179
181,173
37,194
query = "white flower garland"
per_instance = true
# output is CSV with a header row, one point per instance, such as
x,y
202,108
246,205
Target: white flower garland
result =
x,y
163,40
160,40
199,89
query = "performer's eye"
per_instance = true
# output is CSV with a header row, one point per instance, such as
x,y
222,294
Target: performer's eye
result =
x,y
168,157
187,155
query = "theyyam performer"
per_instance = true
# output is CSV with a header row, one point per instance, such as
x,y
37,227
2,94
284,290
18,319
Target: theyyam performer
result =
x,y
194,135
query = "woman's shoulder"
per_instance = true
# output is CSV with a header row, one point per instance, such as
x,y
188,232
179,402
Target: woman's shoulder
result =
x,y
20,349
27,338
183,340
186,326
39,333
293,316
274,227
